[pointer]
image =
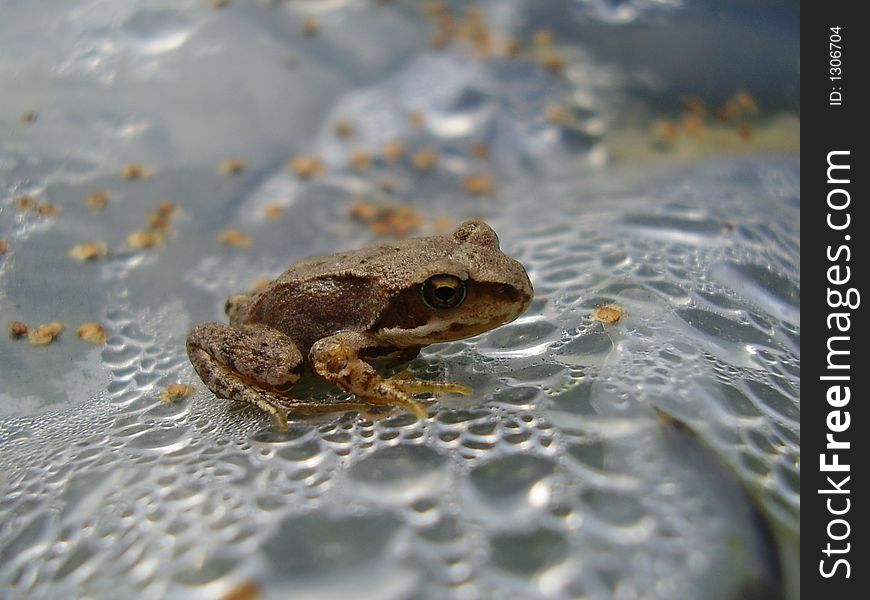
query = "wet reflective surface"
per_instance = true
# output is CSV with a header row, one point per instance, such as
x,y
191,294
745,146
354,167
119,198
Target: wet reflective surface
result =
x,y
562,476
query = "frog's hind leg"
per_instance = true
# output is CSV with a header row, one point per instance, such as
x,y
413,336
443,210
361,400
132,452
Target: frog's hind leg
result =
x,y
250,363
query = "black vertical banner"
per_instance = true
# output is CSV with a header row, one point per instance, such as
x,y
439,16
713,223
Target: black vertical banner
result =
x,y
835,423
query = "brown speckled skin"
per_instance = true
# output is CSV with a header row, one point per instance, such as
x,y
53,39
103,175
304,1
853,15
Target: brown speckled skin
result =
x,y
340,311
352,291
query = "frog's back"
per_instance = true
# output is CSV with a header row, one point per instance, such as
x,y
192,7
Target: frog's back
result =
x,y
352,291
390,266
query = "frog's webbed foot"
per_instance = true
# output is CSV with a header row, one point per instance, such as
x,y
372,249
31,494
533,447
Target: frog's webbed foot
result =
x,y
336,359
250,363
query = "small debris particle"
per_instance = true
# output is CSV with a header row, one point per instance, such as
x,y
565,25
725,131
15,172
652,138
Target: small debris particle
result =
x,y
479,184
310,26
28,118
343,129
474,29
608,314
176,391
26,203
361,160
143,238
235,238
45,333
387,184
401,223
232,166
543,38
160,219
92,332
158,222
442,224
694,105
30,204
88,251
364,210
513,48
480,150
383,218
552,61
693,124
445,27
48,210
746,101
218,3
435,8
425,159
17,329
4,247
738,109
162,215
557,114
394,151
98,199
417,118
307,166
137,171
166,208
273,211
738,106
246,590
668,130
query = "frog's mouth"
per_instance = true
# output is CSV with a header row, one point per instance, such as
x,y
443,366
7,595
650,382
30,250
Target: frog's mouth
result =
x,y
433,333
479,314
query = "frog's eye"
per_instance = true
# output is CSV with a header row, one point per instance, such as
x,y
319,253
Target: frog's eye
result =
x,y
443,291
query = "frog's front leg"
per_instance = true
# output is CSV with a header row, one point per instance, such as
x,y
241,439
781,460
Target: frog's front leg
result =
x,y
250,363
336,359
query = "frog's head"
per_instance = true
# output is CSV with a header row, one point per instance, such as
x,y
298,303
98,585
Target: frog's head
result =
x,y
466,287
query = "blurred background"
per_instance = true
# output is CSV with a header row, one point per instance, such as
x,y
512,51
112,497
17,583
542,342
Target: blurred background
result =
x,y
636,434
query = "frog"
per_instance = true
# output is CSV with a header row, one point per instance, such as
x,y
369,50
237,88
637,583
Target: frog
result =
x,y
348,316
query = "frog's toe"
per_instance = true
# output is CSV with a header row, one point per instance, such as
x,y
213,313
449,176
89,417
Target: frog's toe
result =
x,y
397,389
280,418
388,394
414,406
402,383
